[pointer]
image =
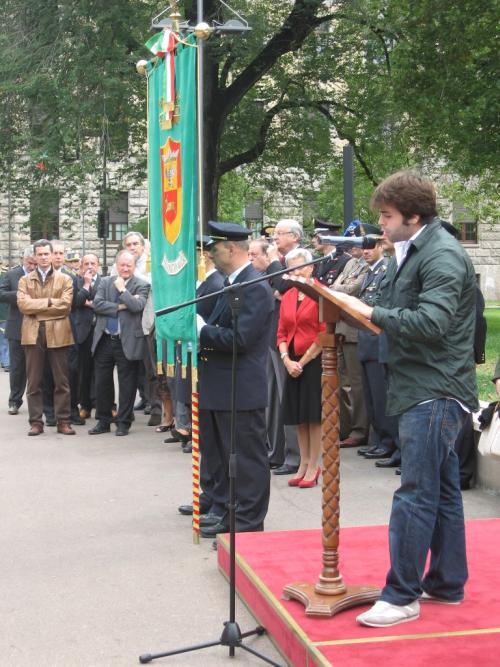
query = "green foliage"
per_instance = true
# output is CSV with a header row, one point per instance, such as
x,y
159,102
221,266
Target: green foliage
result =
x,y
233,194
484,372
406,83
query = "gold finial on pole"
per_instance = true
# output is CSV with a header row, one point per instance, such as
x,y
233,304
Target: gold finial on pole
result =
x,y
175,16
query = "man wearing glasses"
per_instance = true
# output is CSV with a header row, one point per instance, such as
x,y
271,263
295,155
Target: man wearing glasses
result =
x,y
283,445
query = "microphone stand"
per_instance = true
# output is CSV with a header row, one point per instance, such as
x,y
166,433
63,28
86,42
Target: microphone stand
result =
x,y
231,636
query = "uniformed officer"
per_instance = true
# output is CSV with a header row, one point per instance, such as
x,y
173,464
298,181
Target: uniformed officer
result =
x,y
372,353
230,255
335,260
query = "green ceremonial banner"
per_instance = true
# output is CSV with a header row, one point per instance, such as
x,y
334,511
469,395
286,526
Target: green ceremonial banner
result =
x,y
172,182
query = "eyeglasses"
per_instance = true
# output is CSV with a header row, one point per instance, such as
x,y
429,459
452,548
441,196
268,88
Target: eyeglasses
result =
x,y
281,233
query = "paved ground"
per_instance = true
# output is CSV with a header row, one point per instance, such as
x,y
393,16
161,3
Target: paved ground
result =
x,y
96,564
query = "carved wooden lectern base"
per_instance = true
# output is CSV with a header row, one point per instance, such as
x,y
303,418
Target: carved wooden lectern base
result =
x,y
317,604
330,595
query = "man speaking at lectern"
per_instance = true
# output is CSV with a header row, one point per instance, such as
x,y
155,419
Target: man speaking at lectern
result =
x,y
426,306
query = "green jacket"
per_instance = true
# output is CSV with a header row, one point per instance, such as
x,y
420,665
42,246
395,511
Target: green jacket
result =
x,y
427,310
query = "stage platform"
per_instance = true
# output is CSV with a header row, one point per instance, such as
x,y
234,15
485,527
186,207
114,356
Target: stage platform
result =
x,y
448,636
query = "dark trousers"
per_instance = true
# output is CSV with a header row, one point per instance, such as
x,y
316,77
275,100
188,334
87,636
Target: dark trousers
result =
x,y
282,440
465,447
86,372
374,376
353,415
108,354
252,480
58,360
17,376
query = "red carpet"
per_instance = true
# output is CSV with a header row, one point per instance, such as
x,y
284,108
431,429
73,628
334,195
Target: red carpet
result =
x,y
461,636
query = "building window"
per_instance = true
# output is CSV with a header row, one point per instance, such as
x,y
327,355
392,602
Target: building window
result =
x,y
118,216
464,221
44,214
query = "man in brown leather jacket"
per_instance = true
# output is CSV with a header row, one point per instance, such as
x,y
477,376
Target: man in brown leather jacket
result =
x,y
44,297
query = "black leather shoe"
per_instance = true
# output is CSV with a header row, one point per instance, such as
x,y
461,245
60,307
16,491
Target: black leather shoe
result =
x,y
187,510
76,419
393,462
140,405
397,471
99,428
147,409
378,453
187,448
121,430
209,519
215,529
154,420
285,469
365,450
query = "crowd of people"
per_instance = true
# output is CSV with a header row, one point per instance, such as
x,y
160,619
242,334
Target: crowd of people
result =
x,y
69,328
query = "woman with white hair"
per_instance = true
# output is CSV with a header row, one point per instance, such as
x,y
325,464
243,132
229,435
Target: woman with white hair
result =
x,y
299,347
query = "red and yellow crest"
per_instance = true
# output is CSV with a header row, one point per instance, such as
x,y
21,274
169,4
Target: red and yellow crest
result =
x,y
171,184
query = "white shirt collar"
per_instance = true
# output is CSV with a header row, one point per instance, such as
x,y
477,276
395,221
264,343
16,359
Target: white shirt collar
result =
x,y
401,247
232,276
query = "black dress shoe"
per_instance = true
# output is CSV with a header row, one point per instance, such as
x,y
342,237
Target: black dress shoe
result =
x,y
121,430
176,436
99,428
154,420
365,450
397,471
76,419
393,462
140,405
378,453
187,448
187,510
147,409
285,469
214,530
209,519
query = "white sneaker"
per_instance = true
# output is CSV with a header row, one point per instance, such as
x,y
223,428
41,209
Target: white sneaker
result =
x,y
383,614
426,597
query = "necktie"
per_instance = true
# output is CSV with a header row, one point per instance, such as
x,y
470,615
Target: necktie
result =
x,y
112,322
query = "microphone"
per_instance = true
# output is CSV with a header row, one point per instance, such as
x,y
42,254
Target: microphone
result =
x,y
367,242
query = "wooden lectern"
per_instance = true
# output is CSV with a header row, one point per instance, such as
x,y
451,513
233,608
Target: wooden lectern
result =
x,y
330,594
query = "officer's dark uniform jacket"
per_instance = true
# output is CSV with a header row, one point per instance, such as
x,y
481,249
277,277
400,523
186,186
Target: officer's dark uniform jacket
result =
x,y
370,346
216,344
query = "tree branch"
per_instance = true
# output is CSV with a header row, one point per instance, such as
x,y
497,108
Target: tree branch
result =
x,y
258,148
297,27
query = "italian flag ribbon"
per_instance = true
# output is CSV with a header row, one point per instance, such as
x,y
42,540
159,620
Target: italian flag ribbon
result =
x,y
163,45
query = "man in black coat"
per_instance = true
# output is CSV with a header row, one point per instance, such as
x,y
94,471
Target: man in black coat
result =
x,y
252,480
8,294
86,289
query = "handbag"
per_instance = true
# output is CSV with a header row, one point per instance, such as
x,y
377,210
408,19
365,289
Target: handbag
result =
x,y
489,441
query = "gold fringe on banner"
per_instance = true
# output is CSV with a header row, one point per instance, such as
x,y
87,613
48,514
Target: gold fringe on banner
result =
x,y
183,372
170,370
159,368
202,268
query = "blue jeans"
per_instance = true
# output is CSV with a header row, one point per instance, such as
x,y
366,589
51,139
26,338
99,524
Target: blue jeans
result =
x,y
4,347
427,511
